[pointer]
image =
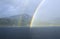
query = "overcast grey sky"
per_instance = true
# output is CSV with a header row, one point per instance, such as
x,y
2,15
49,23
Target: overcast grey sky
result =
x,y
49,10
16,7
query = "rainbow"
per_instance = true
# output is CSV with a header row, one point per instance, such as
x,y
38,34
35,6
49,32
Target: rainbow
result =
x,y
38,7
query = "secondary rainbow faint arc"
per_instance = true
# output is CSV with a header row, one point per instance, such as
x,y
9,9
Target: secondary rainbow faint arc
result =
x,y
38,7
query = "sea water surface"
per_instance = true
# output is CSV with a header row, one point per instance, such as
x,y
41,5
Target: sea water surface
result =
x,y
29,33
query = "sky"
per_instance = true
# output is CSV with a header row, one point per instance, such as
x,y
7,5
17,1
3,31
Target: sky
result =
x,y
48,12
15,7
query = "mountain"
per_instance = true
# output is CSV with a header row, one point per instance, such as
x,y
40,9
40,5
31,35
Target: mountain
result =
x,y
17,20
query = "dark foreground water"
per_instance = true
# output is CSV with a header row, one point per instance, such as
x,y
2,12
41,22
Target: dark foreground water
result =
x,y
29,33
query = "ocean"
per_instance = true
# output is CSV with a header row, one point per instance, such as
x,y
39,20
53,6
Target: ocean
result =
x,y
29,33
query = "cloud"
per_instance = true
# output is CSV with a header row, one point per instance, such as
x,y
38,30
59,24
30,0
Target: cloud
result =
x,y
16,7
